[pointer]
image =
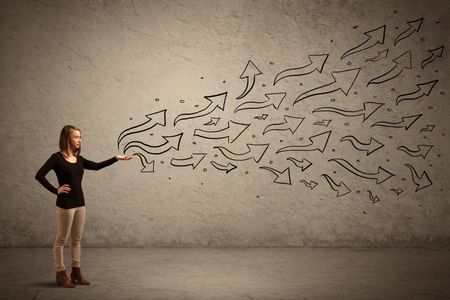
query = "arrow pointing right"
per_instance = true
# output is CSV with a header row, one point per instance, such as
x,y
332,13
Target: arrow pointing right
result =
x,y
423,89
316,63
340,188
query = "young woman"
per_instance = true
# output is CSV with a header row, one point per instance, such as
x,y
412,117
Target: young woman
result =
x,y
69,167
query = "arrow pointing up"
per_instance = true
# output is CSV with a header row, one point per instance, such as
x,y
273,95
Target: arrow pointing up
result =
x,y
423,89
316,63
414,26
216,101
374,37
250,72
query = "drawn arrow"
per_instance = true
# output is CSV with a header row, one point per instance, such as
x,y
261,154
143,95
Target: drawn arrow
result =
x,y
368,109
422,150
343,80
311,184
231,132
398,191
340,188
424,89
290,123
373,198
147,167
213,121
228,168
406,122
255,151
402,62
428,128
318,142
193,161
250,72
216,101
435,53
302,164
262,117
422,181
171,142
157,118
372,146
323,123
380,176
414,26
274,99
381,55
374,37
316,63
283,177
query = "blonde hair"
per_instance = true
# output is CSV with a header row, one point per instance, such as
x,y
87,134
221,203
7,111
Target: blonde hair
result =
x,y
64,139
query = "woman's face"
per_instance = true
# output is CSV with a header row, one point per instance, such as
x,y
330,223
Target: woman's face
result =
x,y
75,139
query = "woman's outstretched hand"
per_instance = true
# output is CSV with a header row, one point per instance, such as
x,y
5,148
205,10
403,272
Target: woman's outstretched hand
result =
x,y
123,157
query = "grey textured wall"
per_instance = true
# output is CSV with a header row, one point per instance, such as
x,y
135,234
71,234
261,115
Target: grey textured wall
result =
x,y
270,123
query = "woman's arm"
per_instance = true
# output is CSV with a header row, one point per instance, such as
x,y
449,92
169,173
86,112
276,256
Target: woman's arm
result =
x,y
90,165
43,171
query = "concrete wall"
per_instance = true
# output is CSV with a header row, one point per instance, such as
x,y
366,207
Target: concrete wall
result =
x,y
290,123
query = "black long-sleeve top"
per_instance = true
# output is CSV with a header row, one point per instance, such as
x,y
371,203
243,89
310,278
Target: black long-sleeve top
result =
x,y
71,174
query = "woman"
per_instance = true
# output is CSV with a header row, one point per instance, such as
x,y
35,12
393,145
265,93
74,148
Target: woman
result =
x,y
69,167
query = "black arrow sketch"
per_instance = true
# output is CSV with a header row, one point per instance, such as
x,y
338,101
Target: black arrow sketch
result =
x,y
428,128
324,123
262,117
414,26
193,161
303,164
311,184
316,63
435,53
422,150
380,176
215,101
368,109
250,72
381,55
157,118
422,181
255,151
274,99
290,123
402,62
147,167
373,198
317,142
406,122
340,188
424,89
370,147
282,177
213,121
231,132
398,191
227,168
374,37
171,142
343,81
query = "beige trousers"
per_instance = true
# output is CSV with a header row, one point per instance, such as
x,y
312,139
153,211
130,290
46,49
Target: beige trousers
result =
x,y
69,222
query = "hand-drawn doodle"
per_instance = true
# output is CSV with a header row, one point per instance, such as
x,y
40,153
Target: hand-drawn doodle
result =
x,y
262,117
250,72
324,123
435,53
231,132
317,142
428,128
282,177
213,121
311,184
422,150
398,191
369,109
374,37
316,63
380,176
343,80
340,188
170,142
414,26
381,55
228,168
406,122
255,151
290,123
422,181
373,198
157,118
303,164
216,101
402,62
424,89
147,167
370,147
193,161
274,99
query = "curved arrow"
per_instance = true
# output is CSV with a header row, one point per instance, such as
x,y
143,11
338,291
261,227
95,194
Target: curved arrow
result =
x,y
213,121
193,161
250,72
290,123
283,177
343,81
434,54
429,128
255,151
424,89
373,198
324,123
171,142
216,101
311,184
374,37
398,191
340,188
274,99
147,167
262,117
406,122
316,63
402,62
368,109
228,168
318,142
380,176
231,132
381,55
422,150
414,26
302,164
421,181
372,146
157,118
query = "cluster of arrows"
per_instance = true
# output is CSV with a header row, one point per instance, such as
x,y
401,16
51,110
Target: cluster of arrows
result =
x,y
341,82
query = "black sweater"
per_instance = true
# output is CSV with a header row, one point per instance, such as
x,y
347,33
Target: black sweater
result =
x,y
71,174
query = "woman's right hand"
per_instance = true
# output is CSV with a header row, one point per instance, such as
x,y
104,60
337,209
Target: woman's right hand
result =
x,y
65,188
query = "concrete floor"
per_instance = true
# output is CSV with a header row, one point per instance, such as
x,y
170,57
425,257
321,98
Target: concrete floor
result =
x,y
243,273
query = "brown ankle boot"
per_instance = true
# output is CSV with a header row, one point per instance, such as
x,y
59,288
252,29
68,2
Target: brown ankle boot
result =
x,y
63,280
77,277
